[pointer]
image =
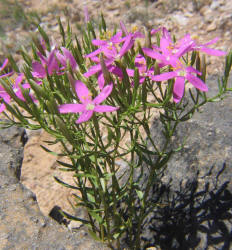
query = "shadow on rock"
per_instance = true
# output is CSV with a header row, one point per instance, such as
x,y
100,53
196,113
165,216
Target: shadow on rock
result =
x,y
191,219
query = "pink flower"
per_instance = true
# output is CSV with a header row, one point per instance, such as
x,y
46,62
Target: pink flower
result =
x,y
204,48
108,47
182,74
140,63
169,53
7,98
88,106
187,40
17,90
86,13
50,63
65,57
129,38
3,67
154,31
98,69
4,96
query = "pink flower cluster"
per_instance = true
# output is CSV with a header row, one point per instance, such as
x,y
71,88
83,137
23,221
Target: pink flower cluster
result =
x,y
51,62
168,55
15,87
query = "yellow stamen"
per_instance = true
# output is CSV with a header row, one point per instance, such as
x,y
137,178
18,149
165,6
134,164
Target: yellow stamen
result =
x,y
134,28
90,106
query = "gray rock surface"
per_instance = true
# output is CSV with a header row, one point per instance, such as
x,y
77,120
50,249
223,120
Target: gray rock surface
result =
x,y
208,145
195,190
22,225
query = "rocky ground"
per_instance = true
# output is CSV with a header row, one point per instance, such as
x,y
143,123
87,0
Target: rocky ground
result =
x,y
204,19
22,225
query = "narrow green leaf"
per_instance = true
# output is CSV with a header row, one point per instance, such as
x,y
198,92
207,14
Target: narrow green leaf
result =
x,y
85,175
97,217
193,57
51,152
103,23
91,198
71,217
45,36
93,234
228,64
13,63
139,193
61,30
65,184
136,85
103,184
66,164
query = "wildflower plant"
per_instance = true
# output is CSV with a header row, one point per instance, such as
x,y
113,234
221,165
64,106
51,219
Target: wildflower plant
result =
x,y
93,94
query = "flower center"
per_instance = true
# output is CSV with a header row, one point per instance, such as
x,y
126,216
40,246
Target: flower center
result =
x,y
15,90
90,106
134,29
182,73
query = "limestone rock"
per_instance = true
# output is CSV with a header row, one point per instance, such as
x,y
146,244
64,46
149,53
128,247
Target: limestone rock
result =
x,y
22,225
195,191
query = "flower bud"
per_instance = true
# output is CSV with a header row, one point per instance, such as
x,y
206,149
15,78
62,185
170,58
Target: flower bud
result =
x,y
72,81
39,91
198,62
156,68
203,68
105,71
147,38
52,106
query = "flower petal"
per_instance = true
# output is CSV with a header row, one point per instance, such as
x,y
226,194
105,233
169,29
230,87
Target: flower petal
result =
x,y
192,70
98,42
101,80
164,76
178,89
153,54
106,91
117,38
68,55
211,42
85,116
94,53
123,28
61,58
38,70
4,64
154,31
52,63
92,70
197,82
213,52
116,71
82,92
2,107
164,46
7,74
19,79
127,45
166,34
71,108
104,108
130,72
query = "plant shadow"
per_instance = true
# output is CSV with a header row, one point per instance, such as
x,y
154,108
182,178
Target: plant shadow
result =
x,y
190,218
